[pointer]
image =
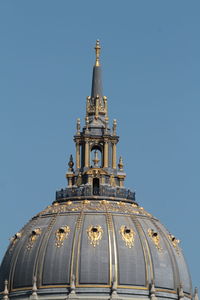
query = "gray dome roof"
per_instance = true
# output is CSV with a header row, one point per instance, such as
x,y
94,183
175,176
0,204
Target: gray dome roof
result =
x,y
95,243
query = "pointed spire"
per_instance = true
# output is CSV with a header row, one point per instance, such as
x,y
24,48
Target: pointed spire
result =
x,y
97,89
5,292
196,297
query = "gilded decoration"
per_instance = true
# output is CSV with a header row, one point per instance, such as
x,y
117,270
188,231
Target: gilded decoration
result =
x,y
128,235
94,234
175,242
155,238
35,233
69,202
88,205
86,202
61,235
14,239
104,202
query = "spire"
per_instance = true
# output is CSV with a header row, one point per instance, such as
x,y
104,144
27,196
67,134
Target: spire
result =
x,y
96,170
97,89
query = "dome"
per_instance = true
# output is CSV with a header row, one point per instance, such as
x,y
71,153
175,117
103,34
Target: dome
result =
x,y
95,241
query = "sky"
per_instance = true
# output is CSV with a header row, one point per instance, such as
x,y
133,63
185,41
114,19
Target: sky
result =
x,y
151,62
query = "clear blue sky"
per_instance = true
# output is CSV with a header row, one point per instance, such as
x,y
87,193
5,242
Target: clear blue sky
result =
x,y
151,70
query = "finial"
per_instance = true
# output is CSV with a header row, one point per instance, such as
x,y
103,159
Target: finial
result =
x,y
70,163
5,292
121,164
114,294
97,107
114,126
152,291
34,295
180,292
72,287
97,50
196,297
87,105
105,105
78,126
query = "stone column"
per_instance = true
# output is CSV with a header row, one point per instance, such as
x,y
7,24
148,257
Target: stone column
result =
x,y
106,154
114,156
77,155
86,154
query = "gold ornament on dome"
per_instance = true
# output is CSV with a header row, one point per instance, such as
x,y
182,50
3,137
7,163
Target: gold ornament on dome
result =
x,y
104,202
128,235
155,238
94,234
14,239
175,242
35,233
61,235
86,201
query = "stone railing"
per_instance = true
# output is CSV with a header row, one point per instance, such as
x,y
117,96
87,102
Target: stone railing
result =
x,y
102,191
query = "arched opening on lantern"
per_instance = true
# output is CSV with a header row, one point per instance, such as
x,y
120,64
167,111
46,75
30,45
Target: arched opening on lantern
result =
x,y
96,157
